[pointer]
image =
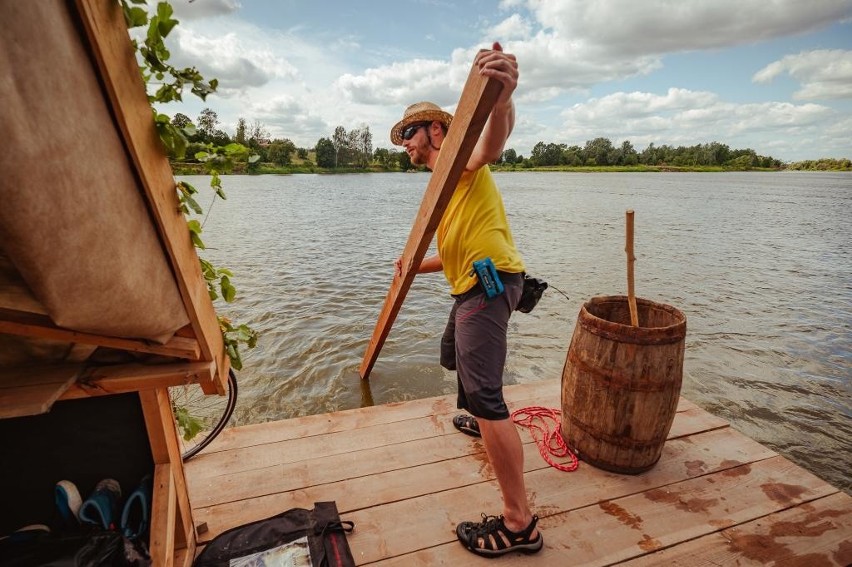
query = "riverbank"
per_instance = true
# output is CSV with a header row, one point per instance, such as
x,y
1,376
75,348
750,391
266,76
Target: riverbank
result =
x,y
184,168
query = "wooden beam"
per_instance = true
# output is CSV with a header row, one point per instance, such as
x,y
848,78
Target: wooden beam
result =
x,y
32,390
123,378
105,27
162,434
163,505
477,100
41,327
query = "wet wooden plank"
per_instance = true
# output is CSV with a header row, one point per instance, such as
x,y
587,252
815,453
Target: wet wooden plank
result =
x,y
544,392
607,531
470,471
816,533
255,457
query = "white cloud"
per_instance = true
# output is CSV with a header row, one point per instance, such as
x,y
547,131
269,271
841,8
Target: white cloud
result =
x,y
823,74
197,9
684,117
513,27
400,83
628,27
236,61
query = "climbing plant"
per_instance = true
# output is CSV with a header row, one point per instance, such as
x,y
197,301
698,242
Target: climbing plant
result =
x,y
169,83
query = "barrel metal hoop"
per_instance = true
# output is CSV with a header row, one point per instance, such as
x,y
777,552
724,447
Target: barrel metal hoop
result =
x,y
619,381
616,440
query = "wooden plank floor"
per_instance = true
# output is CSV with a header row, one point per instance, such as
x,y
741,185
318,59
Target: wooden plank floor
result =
x,y
405,476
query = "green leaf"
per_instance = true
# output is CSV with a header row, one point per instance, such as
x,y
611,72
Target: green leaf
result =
x,y
229,292
136,17
188,424
193,204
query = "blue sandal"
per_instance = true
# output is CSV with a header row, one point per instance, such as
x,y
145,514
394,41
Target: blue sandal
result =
x,y
491,537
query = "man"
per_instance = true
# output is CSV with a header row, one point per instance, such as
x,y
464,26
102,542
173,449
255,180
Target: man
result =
x,y
474,227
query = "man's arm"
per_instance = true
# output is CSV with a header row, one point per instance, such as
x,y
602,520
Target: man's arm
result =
x,y
503,67
428,265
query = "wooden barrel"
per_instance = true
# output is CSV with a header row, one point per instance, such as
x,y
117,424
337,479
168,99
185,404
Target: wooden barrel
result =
x,y
620,384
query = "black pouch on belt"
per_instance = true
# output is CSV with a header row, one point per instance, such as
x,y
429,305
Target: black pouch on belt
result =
x,y
533,289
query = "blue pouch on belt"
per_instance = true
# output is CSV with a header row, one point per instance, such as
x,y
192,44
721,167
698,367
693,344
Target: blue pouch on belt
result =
x,y
489,279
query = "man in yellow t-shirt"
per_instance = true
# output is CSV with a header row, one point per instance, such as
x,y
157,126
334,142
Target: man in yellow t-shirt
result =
x,y
474,227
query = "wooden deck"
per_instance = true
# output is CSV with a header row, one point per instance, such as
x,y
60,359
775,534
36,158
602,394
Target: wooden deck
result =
x,y
405,476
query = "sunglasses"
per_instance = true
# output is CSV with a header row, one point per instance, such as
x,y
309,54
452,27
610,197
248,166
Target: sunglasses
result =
x,y
411,130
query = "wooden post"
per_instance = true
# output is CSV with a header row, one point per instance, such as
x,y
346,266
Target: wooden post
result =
x,y
631,294
477,100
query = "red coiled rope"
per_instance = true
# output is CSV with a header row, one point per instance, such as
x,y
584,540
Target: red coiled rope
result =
x,y
544,426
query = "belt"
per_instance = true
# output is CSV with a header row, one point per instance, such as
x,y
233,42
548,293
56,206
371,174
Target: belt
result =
x,y
508,278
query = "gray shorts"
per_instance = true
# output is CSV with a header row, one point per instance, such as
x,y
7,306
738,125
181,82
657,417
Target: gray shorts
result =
x,y
474,345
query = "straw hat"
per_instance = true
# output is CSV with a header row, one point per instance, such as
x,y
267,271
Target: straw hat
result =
x,y
419,112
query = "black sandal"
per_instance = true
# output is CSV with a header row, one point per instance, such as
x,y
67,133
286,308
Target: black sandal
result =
x,y
467,424
491,537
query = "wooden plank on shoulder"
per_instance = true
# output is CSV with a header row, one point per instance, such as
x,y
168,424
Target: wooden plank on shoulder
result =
x,y
477,100
106,30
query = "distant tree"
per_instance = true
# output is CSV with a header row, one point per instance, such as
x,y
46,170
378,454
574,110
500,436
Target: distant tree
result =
x,y
206,124
219,137
628,154
326,153
509,156
242,128
599,150
340,141
258,135
281,152
404,161
365,145
302,153
181,120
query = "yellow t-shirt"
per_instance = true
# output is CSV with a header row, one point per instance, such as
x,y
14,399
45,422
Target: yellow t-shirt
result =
x,y
474,226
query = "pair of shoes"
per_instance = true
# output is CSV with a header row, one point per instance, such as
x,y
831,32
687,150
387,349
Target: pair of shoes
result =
x,y
467,424
491,537
101,507
68,502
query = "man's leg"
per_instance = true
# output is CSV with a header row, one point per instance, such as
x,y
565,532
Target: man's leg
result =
x,y
506,454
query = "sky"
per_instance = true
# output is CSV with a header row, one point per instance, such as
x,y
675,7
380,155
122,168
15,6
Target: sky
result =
x,y
771,75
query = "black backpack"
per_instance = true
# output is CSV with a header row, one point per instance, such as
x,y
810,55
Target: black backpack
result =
x,y
314,537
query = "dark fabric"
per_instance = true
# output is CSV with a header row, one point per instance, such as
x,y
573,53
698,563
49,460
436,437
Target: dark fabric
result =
x,y
322,526
109,549
474,344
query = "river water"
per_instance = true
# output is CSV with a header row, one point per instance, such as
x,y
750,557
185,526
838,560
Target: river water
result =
x,y
760,264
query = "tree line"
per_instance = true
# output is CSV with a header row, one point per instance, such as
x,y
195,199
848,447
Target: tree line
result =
x,y
602,152
353,149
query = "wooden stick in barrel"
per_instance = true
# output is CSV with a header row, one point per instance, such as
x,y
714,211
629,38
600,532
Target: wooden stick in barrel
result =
x,y
477,100
631,294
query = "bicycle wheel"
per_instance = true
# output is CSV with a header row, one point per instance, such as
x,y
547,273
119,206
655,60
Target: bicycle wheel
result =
x,y
200,418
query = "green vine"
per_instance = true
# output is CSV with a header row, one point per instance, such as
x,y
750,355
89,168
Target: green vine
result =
x,y
153,64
